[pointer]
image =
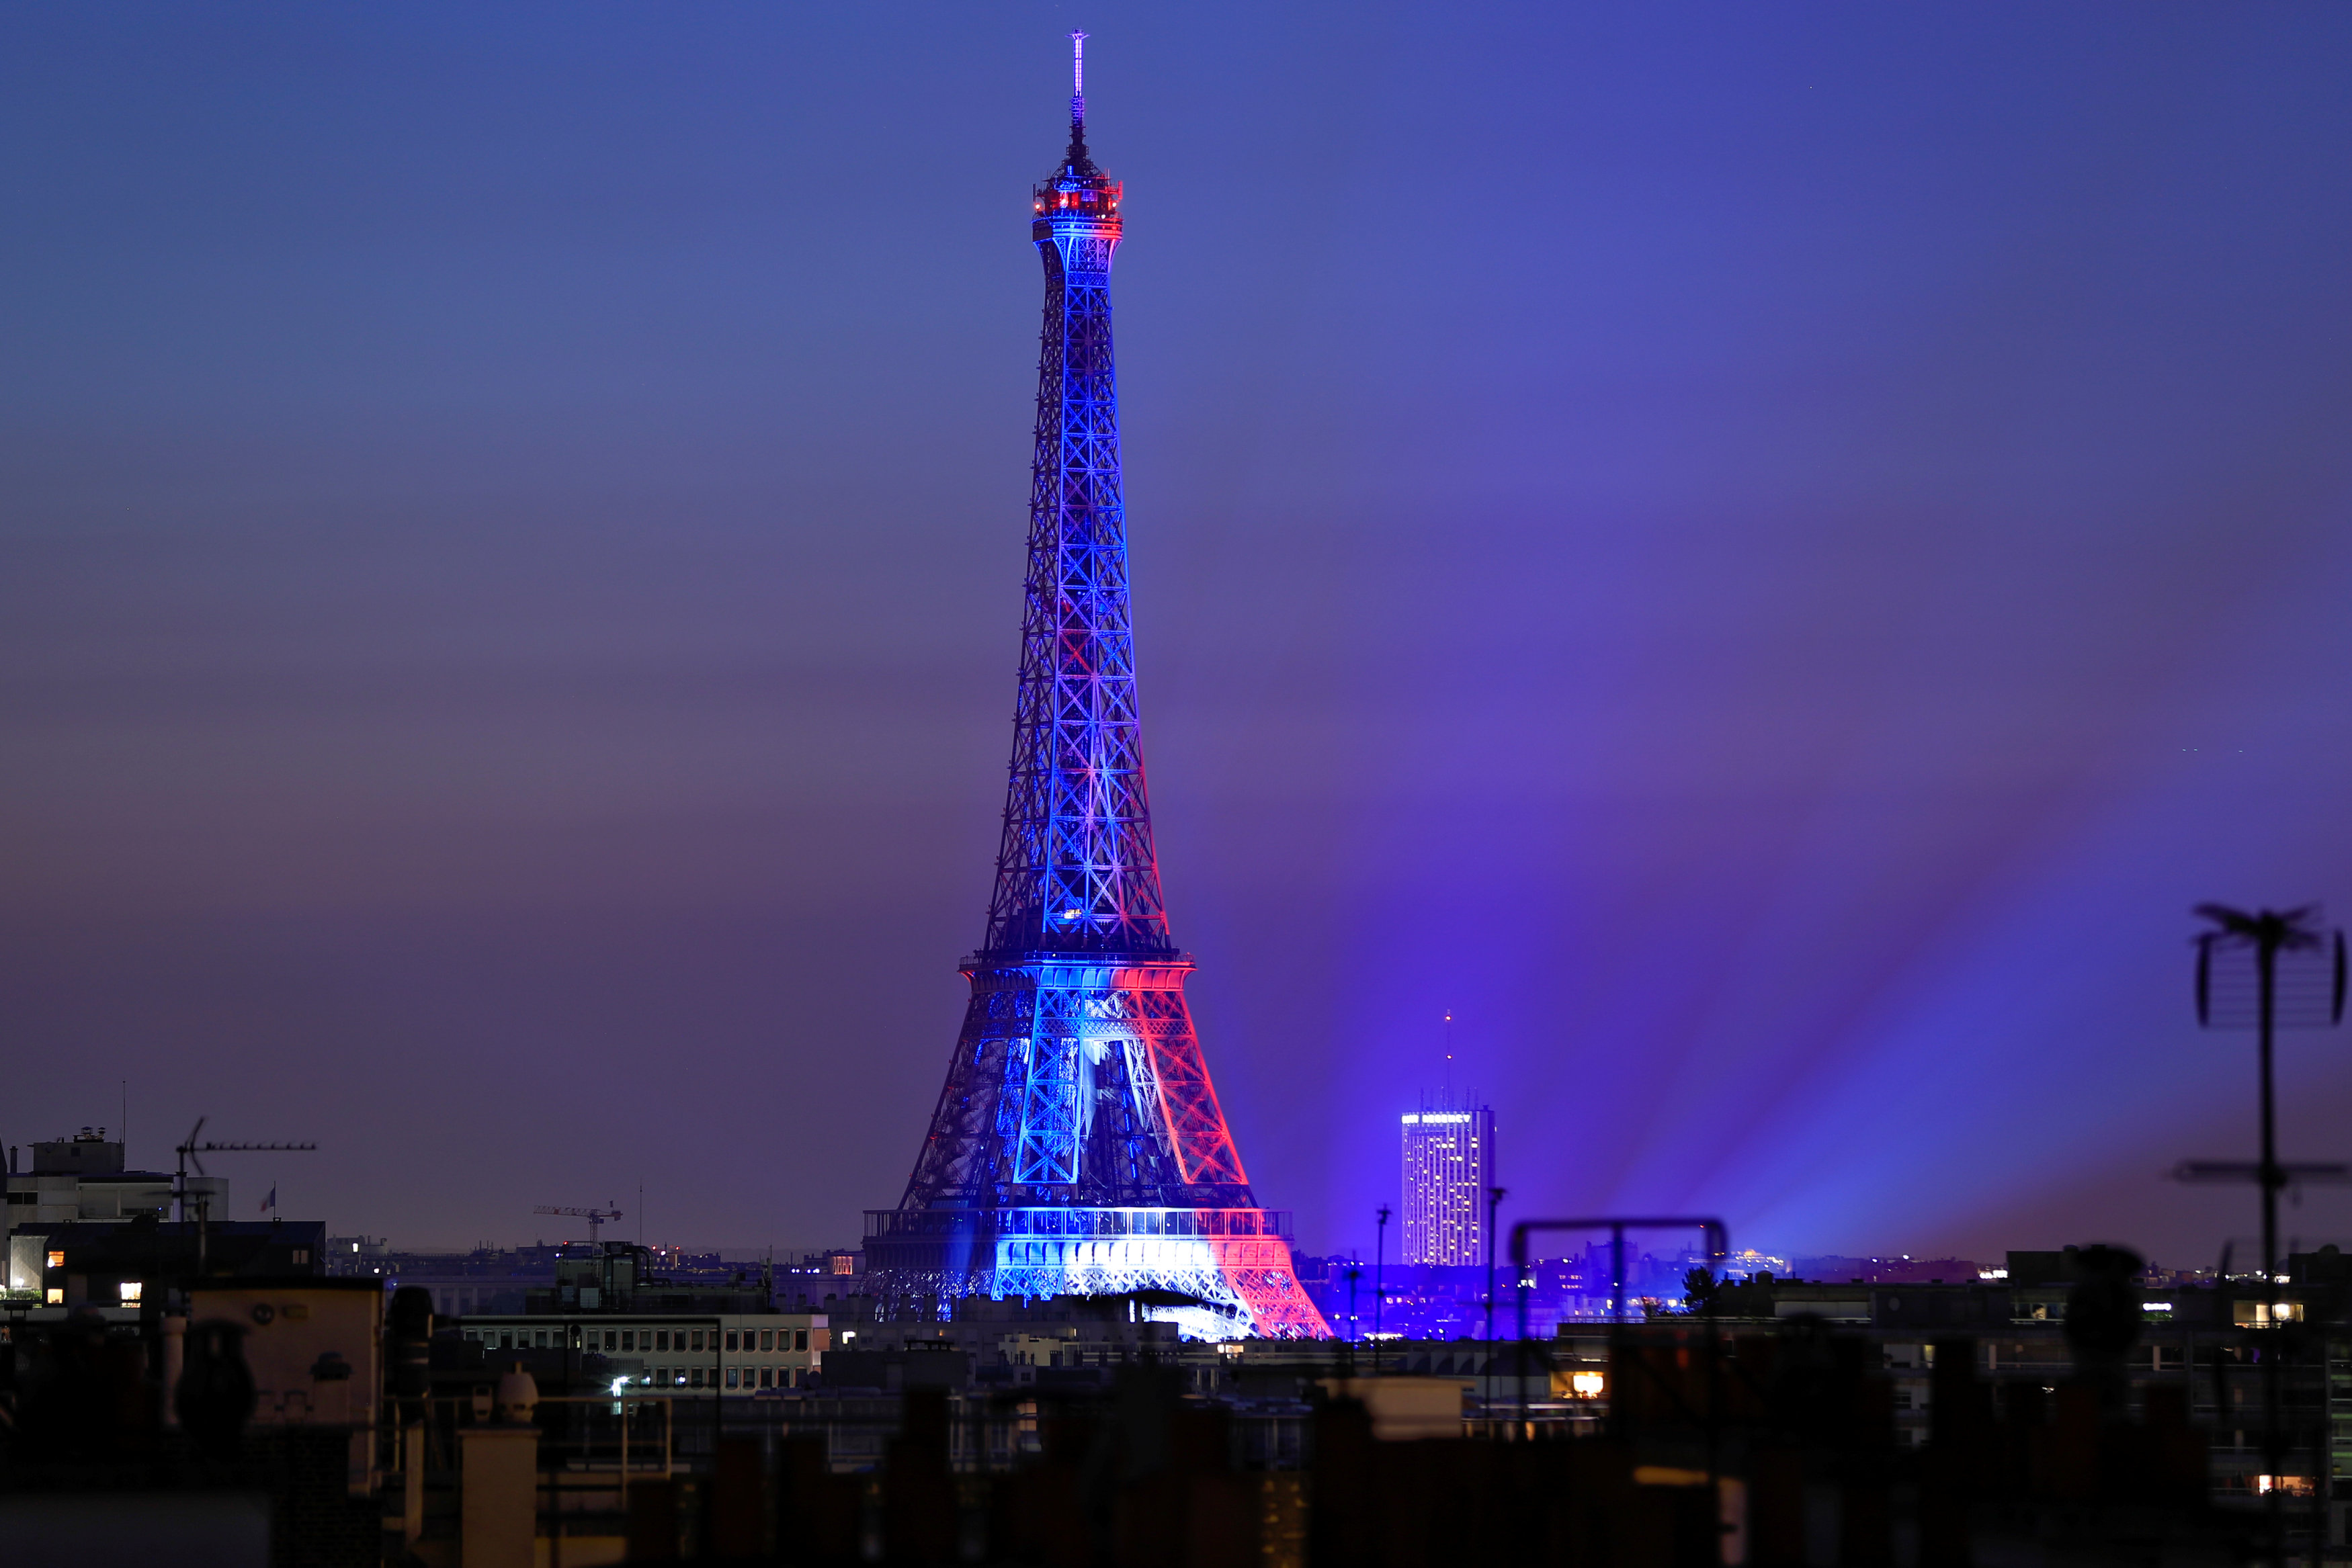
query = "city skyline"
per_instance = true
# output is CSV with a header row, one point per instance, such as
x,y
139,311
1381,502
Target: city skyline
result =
x,y
1766,563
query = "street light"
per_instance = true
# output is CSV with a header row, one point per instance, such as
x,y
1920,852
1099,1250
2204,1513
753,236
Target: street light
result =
x,y
1493,1201
1355,1273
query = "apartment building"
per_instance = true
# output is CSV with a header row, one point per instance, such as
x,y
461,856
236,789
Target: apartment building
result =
x,y
739,1354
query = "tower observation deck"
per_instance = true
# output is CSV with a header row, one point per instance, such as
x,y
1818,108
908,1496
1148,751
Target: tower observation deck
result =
x,y
1078,1147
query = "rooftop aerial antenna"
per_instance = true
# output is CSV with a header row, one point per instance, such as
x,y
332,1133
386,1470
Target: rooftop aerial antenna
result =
x,y
190,1148
2297,981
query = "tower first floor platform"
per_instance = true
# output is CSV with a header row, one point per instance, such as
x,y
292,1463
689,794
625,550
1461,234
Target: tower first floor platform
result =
x,y
1224,1273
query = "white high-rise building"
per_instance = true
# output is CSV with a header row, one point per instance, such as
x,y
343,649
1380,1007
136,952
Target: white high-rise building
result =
x,y
1449,1163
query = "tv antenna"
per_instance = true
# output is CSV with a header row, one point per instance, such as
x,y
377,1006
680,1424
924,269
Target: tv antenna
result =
x,y
2268,969
594,1217
190,1149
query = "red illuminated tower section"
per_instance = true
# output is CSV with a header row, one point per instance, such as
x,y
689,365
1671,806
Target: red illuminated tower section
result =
x,y
1078,1147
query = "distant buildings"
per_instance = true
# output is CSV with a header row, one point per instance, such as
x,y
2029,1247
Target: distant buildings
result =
x,y
117,1269
1449,1163
374,1405
80,1182
349,1430
462,1284
597,1276
735,1353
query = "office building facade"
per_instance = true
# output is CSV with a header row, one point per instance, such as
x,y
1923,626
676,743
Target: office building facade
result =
x,y
1449,1163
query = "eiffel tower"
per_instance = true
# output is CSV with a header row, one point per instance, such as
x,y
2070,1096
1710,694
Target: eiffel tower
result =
x,y
1078,1147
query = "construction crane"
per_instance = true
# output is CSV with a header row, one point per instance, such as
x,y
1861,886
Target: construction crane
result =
x,y
188,1151
594,1217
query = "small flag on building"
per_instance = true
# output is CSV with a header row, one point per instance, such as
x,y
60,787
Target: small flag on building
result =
x,y
271,1201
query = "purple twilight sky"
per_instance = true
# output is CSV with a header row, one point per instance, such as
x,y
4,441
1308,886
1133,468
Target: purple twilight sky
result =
x,y
1762,556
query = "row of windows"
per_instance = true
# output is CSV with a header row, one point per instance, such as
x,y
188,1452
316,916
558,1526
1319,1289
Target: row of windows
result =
x,y
737,1377
769,1377
745,1341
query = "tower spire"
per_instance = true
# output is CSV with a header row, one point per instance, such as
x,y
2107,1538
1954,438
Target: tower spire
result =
x,y
1077,99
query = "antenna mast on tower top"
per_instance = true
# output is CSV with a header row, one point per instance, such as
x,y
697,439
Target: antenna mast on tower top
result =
x,y
1077,76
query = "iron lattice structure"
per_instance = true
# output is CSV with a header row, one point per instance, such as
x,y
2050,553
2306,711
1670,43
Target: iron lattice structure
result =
x,y
1078,1147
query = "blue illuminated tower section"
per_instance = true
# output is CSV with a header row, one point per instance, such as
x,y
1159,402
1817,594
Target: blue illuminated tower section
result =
x,y
1078,1147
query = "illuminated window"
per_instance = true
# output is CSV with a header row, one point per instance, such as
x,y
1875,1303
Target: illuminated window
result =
x,y
54,1297
2264,1315
56,1259
131,1292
